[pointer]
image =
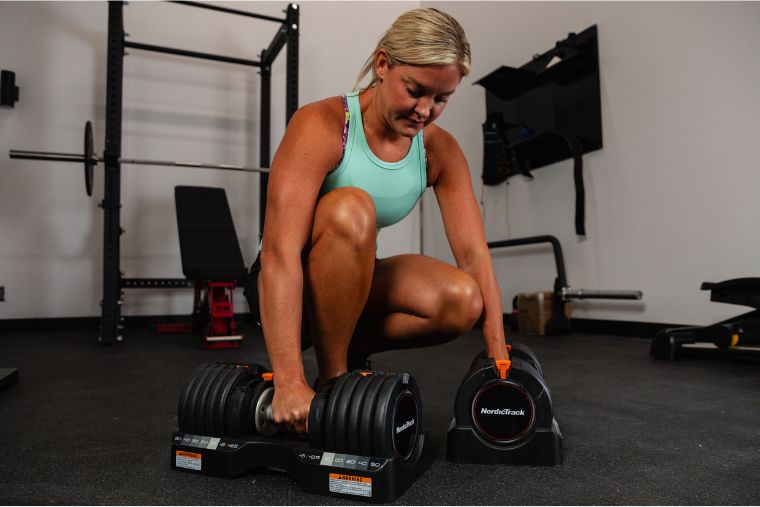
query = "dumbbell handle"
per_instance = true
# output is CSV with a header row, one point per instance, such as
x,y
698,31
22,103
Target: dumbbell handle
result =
x,y
264,419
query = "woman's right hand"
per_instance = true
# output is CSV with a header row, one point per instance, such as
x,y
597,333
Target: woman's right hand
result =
x,y
290,406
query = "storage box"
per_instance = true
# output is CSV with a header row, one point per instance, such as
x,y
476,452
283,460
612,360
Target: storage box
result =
x,y
534,311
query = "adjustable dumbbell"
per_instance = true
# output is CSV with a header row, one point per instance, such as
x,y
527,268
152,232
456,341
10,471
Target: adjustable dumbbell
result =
x,y
366,413
503,414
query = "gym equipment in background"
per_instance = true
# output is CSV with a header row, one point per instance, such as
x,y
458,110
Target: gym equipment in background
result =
x,y
503,414
731,337
212,262
89,159
559,321
111,322
546,111
365,436
8,89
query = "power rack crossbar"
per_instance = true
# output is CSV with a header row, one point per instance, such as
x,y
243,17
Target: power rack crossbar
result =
x,y
231,11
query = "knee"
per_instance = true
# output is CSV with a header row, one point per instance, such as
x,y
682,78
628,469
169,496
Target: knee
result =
x,y
462,304
347,213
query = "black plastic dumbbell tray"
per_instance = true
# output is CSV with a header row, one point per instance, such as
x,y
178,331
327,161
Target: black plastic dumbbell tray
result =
x,y
362,478
544,448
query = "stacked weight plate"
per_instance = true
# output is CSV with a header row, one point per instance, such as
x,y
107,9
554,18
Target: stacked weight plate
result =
x,y
215,401
369,414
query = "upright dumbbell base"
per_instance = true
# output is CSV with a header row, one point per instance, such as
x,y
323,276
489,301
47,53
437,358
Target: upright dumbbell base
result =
x,y
503,415
543,448
371,479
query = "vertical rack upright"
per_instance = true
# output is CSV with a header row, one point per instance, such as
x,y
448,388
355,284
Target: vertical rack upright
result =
x,y
113,278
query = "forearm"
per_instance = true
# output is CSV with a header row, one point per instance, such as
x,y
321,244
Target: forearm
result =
x,y
492,322
280,304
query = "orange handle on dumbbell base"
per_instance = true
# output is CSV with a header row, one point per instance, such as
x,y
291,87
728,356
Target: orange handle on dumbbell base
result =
x,y
503,365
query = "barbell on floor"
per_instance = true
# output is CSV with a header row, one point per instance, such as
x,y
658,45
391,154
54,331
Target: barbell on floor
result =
x,y
90,160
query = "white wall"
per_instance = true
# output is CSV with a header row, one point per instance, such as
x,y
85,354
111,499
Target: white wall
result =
x,y
175,108
671,199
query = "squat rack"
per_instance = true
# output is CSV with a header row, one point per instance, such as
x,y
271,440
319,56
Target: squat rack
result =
x,y
113,281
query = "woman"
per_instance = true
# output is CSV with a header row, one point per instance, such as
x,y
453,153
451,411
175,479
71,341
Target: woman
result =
x,y
317,278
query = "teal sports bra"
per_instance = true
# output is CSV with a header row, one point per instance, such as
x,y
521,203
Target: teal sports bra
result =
x,y
395,187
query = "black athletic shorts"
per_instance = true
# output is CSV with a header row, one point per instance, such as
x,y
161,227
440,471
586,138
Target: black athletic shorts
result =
x,y
251,292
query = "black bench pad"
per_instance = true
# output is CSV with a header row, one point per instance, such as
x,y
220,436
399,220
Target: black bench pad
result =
x,y
208,242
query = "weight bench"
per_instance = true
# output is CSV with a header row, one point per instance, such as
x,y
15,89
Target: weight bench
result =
x,y
734,336
211,257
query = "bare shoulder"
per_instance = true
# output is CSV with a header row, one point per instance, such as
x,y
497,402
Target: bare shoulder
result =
x,y
327,113
442,151
439,142
314,134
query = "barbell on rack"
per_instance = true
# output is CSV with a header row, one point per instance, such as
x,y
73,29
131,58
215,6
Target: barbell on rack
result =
x,y
90,160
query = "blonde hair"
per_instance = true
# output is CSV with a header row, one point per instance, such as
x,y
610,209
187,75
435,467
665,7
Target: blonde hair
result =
x,y
421,37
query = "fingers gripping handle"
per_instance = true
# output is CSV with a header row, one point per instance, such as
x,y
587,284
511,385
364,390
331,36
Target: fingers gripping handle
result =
x,y
264,415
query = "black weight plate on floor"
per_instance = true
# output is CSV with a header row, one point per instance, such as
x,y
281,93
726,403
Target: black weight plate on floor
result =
x,y
88,154
317,415
381,446
184,399
481,356
191,410
226,384
328,423
213,400
245,417
316,418
206,392
366,418
340,429
249,410
232,422
234,418
526,354
240,374
354,411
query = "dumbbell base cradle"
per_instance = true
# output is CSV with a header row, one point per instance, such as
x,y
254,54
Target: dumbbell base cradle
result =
x,y
372,479
543,448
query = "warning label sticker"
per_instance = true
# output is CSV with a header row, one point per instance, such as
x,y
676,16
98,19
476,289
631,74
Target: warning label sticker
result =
x,y
351,485
190,460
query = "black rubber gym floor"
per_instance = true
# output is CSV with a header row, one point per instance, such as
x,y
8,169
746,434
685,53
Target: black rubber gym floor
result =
x,y
91,425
